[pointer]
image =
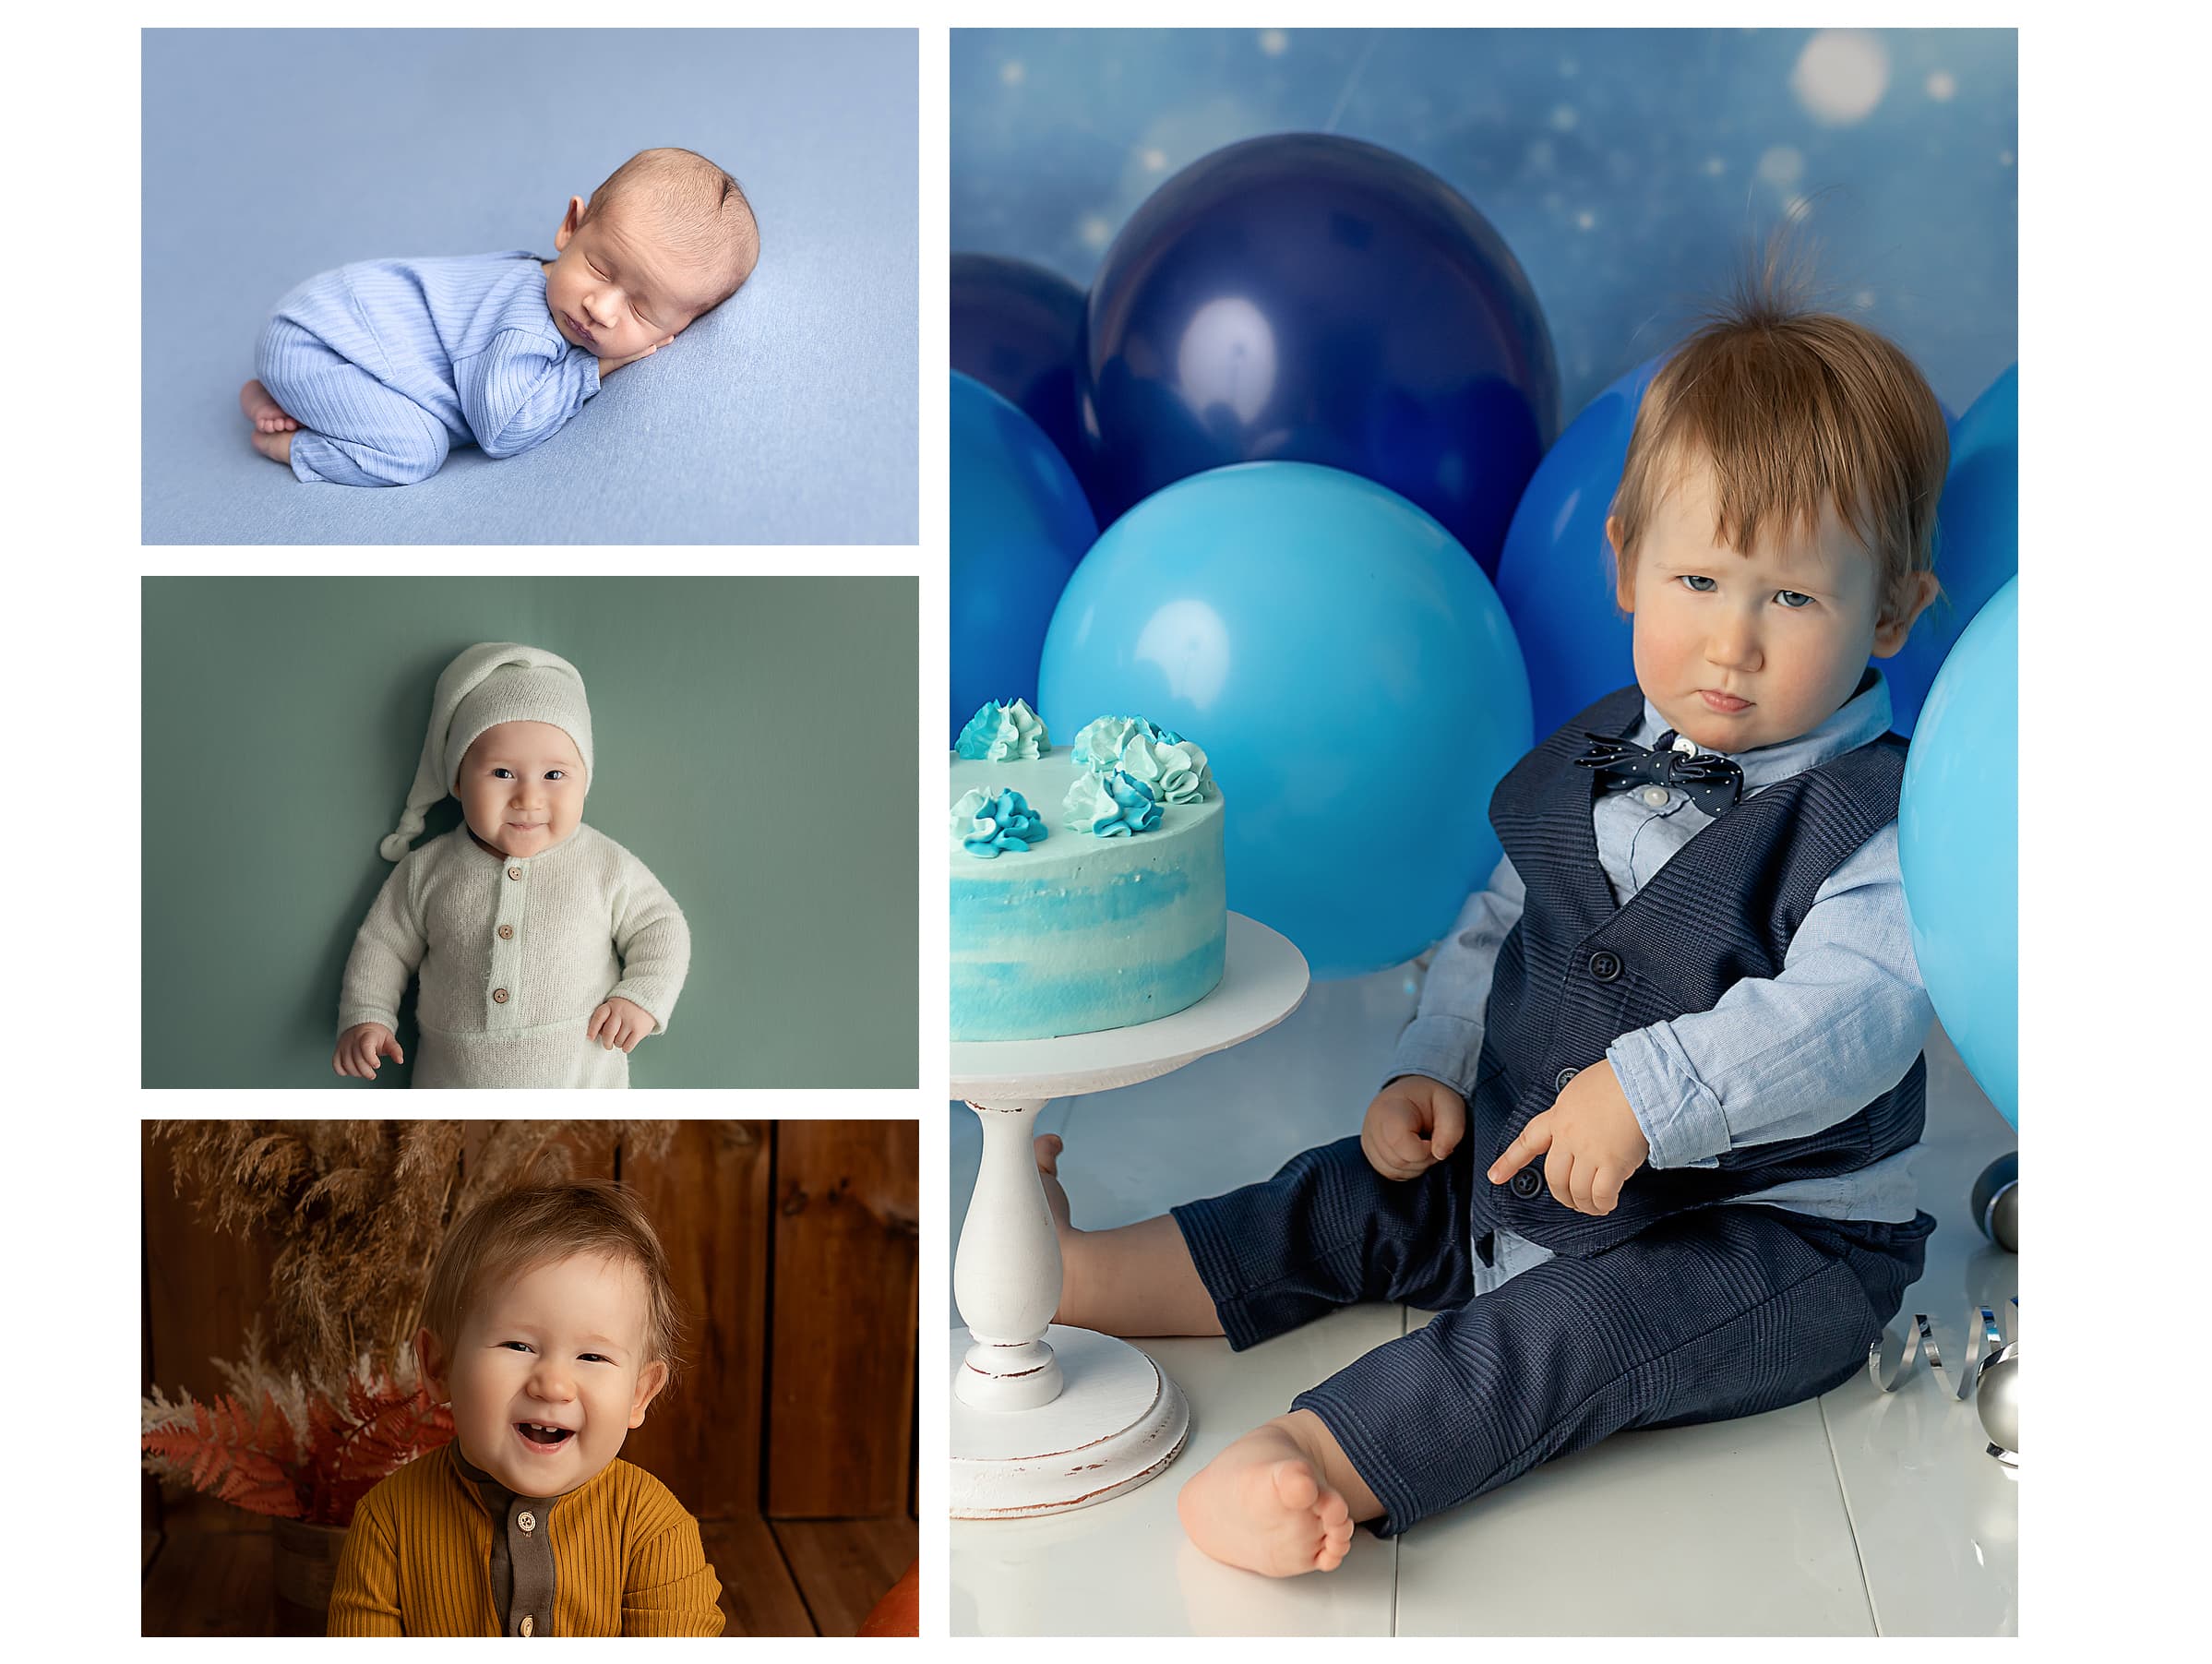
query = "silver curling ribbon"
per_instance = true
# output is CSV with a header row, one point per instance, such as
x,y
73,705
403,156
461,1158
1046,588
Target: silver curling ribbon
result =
x,y
1890,1359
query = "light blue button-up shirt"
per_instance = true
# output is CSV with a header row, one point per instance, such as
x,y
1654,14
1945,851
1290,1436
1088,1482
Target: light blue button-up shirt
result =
x,y
1776,1057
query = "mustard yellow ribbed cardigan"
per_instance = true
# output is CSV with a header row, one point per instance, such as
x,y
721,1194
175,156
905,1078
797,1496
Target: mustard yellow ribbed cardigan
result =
x,y
627,1559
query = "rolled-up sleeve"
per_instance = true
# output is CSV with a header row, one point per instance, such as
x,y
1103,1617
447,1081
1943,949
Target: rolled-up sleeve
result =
x,y
1784,1056
522,388
386,948
1444,1039
653,942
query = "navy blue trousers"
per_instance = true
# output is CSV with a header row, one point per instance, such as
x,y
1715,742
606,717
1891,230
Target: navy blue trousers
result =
x,y
1723,1312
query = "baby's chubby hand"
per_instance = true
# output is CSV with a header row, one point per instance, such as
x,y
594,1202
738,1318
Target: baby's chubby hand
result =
x,y
359,1046
1413,1124
1590,1142
619,1022
607,367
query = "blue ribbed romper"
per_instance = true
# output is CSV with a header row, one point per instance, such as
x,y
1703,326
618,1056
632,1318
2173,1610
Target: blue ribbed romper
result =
x,y
386,364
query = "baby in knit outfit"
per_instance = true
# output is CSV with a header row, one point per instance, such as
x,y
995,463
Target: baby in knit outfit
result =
x,y
549,1325
546,949
367,375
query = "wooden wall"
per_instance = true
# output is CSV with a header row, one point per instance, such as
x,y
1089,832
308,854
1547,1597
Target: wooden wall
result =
x,y
793,1245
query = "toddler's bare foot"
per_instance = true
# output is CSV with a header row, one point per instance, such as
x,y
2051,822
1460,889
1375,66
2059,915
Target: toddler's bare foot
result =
x,y
267,415
1263,1504
277,447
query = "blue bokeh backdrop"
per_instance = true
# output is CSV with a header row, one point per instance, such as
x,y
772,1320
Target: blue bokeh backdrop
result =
x,y
1628,169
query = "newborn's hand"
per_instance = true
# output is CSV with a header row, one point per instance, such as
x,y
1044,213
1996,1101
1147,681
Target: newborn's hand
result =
x,y
607,367
1593,1140
359,1047
1413,1124
619,1022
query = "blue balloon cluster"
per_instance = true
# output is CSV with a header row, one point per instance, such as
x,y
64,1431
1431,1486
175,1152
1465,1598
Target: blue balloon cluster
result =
x,y
1310,394
1958,845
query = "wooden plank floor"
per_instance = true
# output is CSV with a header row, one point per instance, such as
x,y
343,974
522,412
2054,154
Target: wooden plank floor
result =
x,y
208,1573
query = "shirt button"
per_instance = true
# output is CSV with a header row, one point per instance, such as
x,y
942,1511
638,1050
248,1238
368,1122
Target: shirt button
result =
x,y
498,996
1527,1182
507,932
1559,1081
528,1625
514,872
1655,795
527,1520
1605,967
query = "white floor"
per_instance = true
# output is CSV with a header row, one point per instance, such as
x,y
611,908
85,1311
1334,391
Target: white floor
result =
x,y
1860,1514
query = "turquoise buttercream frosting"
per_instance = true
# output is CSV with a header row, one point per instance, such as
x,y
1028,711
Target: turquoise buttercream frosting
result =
x,y
988,822
999,733
1111,807
1098,747
1172,767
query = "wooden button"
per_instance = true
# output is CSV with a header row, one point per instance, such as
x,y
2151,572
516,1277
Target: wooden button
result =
x,y
514,872
506,932
498,996
528,1625
527,1520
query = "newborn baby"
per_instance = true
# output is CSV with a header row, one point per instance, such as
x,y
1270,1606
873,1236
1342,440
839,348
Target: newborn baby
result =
x,y
546,949
370,373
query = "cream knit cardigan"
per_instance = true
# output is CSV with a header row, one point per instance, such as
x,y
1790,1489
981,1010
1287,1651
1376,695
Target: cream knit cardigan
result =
x,y
515,953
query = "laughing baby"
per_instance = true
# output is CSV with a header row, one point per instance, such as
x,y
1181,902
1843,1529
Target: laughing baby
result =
x,y
370,373
546,950
550,1326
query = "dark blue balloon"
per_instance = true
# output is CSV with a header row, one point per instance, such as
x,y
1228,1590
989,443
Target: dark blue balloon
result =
x,y
1311,298
1014,329
1019,524
1977,542
1556,576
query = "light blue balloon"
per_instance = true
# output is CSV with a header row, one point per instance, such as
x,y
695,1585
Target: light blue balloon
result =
x,y
1978,541
1958,842
1347,669
1019,523
1556,574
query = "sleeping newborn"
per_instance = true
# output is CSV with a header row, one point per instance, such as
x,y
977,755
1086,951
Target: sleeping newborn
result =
x,y
370,373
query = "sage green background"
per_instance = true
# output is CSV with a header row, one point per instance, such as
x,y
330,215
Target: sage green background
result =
x,y
756,743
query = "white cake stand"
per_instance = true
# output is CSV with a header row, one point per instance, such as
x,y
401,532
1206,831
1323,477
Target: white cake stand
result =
x,y
1045,1417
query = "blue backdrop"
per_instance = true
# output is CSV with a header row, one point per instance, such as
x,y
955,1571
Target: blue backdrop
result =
x,y
1628,169
788,415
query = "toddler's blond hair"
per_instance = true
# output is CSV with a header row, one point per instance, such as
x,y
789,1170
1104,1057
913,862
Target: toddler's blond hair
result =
x,y
534,1225
1794,409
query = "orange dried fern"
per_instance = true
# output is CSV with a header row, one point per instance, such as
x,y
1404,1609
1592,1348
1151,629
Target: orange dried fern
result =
x,y
302,1453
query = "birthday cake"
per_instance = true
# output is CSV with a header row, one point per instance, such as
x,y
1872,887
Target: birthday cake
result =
x,y
1088,889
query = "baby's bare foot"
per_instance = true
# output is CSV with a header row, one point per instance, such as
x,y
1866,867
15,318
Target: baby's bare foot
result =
x,y
277,447
1262,1504
267,415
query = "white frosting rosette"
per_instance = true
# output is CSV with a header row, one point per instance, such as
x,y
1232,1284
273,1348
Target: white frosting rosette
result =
x,y
1175,770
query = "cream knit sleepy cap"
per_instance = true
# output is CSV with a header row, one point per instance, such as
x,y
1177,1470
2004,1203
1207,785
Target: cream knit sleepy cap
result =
x,y
490,683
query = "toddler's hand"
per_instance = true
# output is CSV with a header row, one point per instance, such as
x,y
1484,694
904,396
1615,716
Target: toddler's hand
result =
x,y
607,367
359,1046
619,1022
1593,1140
1413,1124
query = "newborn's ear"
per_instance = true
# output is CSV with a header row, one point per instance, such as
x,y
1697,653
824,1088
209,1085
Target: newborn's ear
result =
x,y
570,222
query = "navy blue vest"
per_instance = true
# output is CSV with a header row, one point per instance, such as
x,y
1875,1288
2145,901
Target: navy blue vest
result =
x,y
1578,970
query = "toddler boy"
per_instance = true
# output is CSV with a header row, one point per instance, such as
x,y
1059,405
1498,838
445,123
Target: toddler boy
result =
x,y
367,375
1646,1144
550,1324
546,949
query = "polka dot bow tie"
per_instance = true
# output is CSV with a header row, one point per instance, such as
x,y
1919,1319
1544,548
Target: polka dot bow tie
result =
x,y
1709,779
